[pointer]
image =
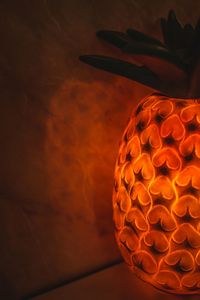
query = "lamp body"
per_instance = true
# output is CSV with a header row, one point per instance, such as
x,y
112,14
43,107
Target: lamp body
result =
x,y
156,197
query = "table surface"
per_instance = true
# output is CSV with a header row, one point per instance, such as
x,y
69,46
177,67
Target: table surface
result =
x,y
116,282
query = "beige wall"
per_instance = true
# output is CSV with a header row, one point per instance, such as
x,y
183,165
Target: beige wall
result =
x,y
60,124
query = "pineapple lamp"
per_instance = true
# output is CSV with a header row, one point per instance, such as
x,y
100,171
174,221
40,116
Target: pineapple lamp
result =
x,y
156,197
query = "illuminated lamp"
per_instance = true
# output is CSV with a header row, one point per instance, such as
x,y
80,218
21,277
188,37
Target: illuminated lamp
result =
x,y
156,197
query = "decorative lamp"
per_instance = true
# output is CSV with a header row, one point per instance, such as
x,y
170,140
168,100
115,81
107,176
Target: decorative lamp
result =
x,y
156,197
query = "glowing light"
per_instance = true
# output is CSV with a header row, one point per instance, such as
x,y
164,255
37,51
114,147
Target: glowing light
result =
x,y
156,198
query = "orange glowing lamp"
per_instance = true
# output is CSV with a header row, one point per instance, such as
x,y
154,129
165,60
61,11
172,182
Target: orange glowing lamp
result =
x,y
156,198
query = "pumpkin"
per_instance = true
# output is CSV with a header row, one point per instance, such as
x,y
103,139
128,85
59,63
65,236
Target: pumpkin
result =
x,y
156,195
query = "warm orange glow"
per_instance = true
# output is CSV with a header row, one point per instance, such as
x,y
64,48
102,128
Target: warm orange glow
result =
x,y
156,197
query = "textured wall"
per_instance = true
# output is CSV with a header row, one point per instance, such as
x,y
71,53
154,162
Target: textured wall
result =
x,y
60,123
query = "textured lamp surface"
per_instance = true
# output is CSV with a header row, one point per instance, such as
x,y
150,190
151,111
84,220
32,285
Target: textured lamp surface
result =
x,y
156,196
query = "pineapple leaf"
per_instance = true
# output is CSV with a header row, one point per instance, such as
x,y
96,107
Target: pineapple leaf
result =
x,y
116,38
171,67
140,74
163,25
175,32
189,40
197,25
123,68
126,44
157,51
197,34
141,37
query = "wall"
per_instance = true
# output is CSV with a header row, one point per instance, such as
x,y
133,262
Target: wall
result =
x,y
60,125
